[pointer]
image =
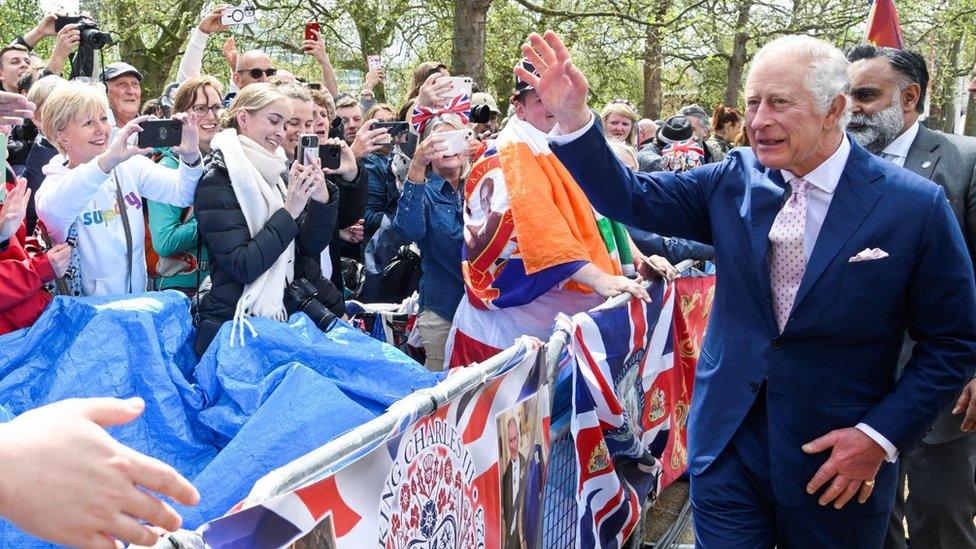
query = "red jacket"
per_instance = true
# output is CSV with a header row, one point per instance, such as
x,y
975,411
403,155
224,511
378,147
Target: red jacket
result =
x,y
22,299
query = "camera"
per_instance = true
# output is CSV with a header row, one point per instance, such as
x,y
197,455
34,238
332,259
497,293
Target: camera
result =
x,y
302,295
241,15
480,114
337,129
90,35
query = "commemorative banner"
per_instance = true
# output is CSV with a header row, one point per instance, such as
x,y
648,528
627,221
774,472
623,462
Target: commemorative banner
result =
x,y
469,475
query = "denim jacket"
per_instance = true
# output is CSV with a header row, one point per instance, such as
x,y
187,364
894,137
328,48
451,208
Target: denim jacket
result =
x,y
431,215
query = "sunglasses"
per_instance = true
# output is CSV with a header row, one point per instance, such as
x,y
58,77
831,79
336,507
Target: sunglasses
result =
x,y
256,73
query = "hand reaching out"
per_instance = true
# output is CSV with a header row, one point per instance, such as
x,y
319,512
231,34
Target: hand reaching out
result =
x,y
561,86
68,481
14,209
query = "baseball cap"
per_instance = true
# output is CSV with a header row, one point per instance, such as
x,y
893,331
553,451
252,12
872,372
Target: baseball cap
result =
x,y
522,85
120,68
482,98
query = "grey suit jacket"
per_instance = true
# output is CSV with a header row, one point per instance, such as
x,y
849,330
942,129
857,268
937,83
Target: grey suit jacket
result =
x,y
950,161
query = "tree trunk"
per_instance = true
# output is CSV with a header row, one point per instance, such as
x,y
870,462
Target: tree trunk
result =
x,y
468,46
653,60
970,127
737,63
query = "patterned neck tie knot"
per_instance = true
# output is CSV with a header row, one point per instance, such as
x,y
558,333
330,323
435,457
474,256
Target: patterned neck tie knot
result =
x,y
788,259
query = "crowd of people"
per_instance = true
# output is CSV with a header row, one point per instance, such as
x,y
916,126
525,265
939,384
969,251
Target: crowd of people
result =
x,y
502,214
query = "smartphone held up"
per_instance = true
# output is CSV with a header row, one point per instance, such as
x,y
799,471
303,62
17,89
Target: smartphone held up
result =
x,y
163,132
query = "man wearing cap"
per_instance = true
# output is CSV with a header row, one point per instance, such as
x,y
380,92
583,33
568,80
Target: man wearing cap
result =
x,y
487,129
702,127
124,85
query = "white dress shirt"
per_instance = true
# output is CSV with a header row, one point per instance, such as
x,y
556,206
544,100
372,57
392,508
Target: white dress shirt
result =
x,y
897,150
823,181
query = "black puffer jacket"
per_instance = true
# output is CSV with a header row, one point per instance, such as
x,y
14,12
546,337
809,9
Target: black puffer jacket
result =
x,y
237,259
352,208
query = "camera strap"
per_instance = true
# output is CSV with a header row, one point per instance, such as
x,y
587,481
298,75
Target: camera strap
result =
x,y
120,200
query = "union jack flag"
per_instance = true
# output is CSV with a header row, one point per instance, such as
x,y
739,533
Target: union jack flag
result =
x,y
619,423
459,105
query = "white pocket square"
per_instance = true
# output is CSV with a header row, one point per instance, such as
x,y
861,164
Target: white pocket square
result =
x,y
868,254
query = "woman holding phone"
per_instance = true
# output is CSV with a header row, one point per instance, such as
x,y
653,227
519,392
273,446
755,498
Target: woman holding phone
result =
x,y
264,222
429,213
94,179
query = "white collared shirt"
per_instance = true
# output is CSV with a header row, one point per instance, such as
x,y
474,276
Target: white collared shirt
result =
x,y
897,150
823,182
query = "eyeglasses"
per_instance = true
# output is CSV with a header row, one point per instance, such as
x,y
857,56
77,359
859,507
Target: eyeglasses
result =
x,y
256,73
202,110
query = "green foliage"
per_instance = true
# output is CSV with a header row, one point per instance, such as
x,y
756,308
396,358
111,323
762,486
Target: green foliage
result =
x,y
608,38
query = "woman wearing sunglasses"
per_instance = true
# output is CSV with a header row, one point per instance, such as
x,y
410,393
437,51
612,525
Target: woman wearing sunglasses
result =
x,y
176,258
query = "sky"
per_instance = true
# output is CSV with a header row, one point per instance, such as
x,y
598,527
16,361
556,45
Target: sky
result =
x,y
59,6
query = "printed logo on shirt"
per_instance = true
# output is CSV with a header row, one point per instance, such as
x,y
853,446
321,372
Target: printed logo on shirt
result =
x,y
96,217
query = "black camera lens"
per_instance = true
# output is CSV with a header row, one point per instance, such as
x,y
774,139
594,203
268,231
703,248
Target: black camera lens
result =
x,y
480,114
96,38
301,295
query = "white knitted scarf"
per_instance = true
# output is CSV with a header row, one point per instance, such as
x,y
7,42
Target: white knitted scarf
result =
x,y
255,175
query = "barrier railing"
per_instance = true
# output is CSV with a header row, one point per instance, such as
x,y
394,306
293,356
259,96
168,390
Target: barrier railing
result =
x,y
559,520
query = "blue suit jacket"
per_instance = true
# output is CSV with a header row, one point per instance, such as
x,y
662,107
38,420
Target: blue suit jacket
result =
x,y
834,364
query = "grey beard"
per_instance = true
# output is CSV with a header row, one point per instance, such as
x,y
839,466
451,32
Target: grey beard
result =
x,y
875,132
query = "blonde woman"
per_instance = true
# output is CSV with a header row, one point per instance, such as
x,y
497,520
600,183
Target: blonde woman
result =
x,y
429,213
94,179
620,122
264,223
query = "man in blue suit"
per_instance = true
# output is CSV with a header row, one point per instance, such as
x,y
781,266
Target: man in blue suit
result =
x,y
825,256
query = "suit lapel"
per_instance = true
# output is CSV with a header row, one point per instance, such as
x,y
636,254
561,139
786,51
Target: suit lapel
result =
x,y
855,196
765,200
924,153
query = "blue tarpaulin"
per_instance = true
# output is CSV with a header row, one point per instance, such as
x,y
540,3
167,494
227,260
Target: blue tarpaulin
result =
x,y
222,421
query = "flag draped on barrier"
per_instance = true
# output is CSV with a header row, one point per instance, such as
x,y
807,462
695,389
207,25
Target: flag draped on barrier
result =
x,y
632,382
469,475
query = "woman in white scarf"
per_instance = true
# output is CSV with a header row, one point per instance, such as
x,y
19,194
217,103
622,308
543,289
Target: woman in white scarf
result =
x,y
261,233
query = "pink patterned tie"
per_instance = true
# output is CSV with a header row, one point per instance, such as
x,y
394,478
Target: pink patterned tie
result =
x,y
788,261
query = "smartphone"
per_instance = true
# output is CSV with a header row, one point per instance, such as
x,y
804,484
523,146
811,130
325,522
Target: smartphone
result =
x,y
331,156
308,148
374,62
460,85
312,29
164,132
456,141
396,128
241,15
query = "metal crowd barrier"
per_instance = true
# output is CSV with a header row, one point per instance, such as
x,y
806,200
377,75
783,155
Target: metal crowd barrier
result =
x,y
560,517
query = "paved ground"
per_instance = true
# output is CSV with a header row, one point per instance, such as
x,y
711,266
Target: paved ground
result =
x,y
665,512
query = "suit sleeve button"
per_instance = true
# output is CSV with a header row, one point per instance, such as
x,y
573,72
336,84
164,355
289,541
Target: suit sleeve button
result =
x,y
753,386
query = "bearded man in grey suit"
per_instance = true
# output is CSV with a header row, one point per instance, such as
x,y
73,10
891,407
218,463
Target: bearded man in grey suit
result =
x,y
888,94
